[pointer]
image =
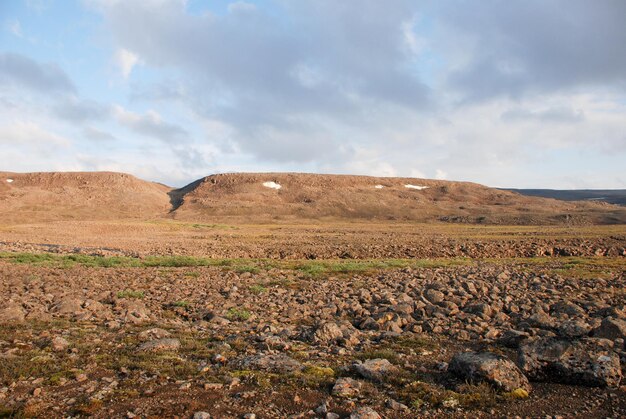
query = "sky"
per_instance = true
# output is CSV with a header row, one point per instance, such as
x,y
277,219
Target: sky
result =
x,y
507,93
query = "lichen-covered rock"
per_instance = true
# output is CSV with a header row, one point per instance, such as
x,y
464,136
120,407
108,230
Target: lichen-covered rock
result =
x,y
488,367
589,361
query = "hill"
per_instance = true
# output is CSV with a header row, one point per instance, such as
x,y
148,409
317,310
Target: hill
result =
x,y
291,196
36,197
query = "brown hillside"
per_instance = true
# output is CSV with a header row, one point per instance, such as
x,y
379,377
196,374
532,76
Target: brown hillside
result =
x,y
79,196
36,197
311,196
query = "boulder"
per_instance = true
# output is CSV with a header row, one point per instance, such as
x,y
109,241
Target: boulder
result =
x,y
588,361
611,328
573,329
132,311
69,307
327,333
488,367
375,369
434,296
513,338
332,333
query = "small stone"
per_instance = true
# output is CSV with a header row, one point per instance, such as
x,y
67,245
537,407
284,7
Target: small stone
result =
x,y
249,416
394,405
81,377
346,387
219,359
37,391
154,333
201,415
160,345
364,413
59,344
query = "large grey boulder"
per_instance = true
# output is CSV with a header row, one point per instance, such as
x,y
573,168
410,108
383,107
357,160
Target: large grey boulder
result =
x,y
589,361
488,367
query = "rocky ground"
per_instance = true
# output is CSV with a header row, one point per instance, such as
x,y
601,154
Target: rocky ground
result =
x,y
318,240
511,338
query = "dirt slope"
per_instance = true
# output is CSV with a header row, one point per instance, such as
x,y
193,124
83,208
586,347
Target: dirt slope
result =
x,y
309,196
35,197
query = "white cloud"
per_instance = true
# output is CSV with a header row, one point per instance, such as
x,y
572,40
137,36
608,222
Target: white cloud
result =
x,y
27,133
440,174
241,7
151,124
126,60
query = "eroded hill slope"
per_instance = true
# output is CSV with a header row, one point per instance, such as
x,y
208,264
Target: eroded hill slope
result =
x,y
291,197
35,197
267,196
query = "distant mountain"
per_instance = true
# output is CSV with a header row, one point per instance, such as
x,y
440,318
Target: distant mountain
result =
x,y
612,196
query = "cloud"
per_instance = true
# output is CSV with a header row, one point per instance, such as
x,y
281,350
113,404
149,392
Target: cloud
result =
x,y
523,47
95,134
77,110
14,27
30,134
253,71
547,115
126,61
21,71
481,92
149,125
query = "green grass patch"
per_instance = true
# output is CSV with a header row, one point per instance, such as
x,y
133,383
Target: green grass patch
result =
x,y
130,294
258,289
237,314
578,267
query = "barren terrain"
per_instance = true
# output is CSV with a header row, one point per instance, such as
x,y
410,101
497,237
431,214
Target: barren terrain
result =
x,y
220,301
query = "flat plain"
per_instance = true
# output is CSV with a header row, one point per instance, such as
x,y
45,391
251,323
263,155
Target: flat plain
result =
x,y
300,317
